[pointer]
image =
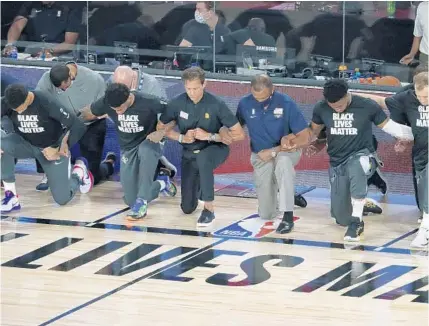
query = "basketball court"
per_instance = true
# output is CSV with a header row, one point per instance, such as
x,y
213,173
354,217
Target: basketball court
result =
x,y
84,264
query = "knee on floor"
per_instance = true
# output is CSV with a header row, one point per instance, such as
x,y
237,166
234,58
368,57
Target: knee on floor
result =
x,y
188,209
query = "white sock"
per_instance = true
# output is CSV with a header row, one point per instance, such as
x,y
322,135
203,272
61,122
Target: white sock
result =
x,y
425,220
163,184
358,205
9,186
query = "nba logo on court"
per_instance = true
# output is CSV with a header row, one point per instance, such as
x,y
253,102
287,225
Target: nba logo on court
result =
x,y
252,227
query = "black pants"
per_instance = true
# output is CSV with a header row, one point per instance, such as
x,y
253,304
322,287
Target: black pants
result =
x,y
197,174
91,148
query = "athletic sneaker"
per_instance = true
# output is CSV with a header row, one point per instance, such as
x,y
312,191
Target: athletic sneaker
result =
x,y
43,185
85,176
206,218
170,187
138,211
10,203
371,206
110,156
378,181
354,231
422,238
300,201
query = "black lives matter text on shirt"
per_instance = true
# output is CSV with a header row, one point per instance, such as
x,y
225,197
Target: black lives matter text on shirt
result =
x,y
350,131
209,114
42,123
405,106
138,121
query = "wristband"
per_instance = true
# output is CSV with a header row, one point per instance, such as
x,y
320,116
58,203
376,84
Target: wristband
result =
x,y
180,138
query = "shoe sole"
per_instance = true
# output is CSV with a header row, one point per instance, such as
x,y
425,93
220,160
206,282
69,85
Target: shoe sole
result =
x,y
349,239
203,225
419,247
133,219
14,208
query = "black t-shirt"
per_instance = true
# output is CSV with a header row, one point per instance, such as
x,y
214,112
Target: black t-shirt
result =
x,y
406,103
350,131
137,122
242,35
201,35
53,21
209,114
42,123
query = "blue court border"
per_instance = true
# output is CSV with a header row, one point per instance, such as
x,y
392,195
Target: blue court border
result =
x,y
195,233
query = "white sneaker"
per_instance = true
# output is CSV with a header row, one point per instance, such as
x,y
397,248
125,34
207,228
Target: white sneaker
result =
x,y
85,176
422,238
10,203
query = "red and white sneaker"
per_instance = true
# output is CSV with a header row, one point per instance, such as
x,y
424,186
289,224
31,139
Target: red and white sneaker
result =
x,y
85,176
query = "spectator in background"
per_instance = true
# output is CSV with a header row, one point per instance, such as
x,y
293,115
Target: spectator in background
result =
x,y
206,25
420,41
253,35
56,23
324,36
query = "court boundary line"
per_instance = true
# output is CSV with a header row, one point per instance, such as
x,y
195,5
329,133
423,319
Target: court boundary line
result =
x,y
388,244
189,256
208,234
108,216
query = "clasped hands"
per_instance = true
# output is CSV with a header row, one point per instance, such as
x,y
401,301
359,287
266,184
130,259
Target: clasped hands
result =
x,y
55,153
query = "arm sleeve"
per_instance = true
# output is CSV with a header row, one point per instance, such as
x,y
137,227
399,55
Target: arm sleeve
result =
x,y
25,9
378,115
396,108
158,105
98,108
44,83
191,35
67,119
239,114
169,114
74,21
317,119
226,117
418,24
296,121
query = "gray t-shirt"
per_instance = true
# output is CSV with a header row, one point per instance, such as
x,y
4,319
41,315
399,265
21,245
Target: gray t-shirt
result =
x,y
350,131
147,85
87,88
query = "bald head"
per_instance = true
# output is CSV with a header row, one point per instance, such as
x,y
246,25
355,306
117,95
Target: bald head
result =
x,y
123,75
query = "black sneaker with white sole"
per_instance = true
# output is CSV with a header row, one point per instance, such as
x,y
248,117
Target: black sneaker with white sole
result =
x,y
354,230
206,218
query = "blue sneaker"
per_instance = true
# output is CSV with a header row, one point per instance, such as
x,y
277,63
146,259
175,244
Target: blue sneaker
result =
x,y
10,203
138,211
170,187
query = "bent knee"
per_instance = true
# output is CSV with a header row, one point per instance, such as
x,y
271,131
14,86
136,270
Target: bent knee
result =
x,y
186,209
62,200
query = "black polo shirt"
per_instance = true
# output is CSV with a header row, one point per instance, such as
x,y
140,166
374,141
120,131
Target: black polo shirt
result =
x,y
209,114
53,20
